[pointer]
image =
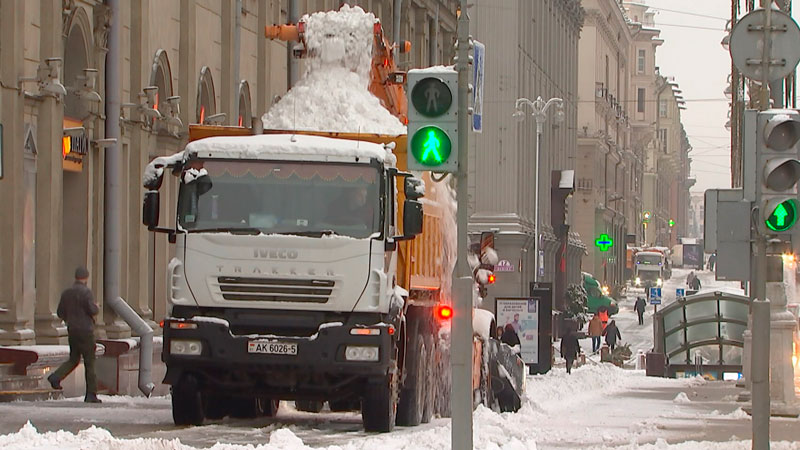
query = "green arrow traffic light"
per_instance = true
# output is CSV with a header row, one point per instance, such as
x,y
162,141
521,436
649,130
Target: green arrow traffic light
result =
x,y
431,146
783,217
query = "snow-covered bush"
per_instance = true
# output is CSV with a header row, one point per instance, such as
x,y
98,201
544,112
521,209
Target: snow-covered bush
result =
x,y
576,305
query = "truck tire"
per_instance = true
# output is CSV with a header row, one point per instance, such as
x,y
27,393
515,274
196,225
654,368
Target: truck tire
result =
x,y
430,384
312,406
412,397
379,405
269,407
215,406
187,405
246,407
343,405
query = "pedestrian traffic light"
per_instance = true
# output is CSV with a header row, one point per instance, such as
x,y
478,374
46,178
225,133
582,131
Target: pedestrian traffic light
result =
x,y
777,136
433,120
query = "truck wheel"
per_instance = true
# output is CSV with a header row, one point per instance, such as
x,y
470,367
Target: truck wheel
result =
x,y
313,406
187,405
269,407
430,381
379,405
345,404
215,406
246,407
412,397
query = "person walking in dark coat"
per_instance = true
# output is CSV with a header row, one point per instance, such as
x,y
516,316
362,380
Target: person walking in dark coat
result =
x,y
639,307
595,331
695,284
510,336
612,334
78,309
569,349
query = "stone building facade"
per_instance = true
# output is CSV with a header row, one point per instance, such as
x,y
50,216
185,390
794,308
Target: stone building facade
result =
x,y
604,189
531,51
178,57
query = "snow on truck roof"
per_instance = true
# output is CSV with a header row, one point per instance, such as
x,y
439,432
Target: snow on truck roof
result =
x,y
271,145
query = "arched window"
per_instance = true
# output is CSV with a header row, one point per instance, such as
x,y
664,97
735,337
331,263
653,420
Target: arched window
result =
x,y
76,58
245,116
161,77
206,99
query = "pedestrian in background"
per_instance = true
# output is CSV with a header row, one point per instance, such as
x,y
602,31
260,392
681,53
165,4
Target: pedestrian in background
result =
x,y
611,333
603,313
510,336
639,307
595,331
569,348
695,284
78,309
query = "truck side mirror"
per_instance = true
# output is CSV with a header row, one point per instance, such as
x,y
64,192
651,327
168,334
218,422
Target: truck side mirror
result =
x,y
150,209
414,188
412,218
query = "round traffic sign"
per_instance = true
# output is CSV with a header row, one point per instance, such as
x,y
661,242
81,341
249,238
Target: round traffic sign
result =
x,y
431,97
747,42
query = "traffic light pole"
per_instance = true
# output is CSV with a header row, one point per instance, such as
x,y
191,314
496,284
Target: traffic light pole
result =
x,y
759,360
461,338
759,368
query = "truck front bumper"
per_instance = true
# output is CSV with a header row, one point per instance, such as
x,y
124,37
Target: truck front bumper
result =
x,y
327,357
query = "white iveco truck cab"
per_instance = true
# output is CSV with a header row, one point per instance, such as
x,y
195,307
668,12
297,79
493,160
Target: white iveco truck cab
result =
x,y
282,286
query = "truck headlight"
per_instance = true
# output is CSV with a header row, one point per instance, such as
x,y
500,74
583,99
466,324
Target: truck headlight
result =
x,y
638,281
659,282
361,353
185,347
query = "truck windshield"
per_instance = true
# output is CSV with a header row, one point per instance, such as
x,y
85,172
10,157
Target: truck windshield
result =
x,y
270,197
648,259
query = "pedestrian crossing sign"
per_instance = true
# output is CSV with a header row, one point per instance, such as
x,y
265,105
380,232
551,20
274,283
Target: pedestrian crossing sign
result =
x,y
654,294
680,292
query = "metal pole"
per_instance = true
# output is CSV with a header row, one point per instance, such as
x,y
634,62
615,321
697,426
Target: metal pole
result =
x,y
759,371
536,198
292,65
237,49
461,356
113,159
759,361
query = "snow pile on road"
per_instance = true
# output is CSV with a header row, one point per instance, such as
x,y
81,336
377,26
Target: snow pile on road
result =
x,y
681,398
334,93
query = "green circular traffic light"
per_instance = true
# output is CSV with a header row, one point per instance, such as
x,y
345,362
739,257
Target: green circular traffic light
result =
x,y
431,146
783,217
431,97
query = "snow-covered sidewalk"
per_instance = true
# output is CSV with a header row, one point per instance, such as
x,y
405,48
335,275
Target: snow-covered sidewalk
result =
x,y
599,406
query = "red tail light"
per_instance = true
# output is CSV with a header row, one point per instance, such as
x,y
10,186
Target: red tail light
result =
x,y
444,312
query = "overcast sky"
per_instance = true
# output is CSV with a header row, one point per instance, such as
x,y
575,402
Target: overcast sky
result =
x,y
692,31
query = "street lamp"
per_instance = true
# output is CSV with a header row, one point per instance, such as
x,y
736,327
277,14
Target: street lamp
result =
x,y
539,110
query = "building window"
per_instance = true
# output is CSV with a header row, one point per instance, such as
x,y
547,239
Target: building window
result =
x,y
662,108
206,99
640,61
161,77
640,93
662,138
245,116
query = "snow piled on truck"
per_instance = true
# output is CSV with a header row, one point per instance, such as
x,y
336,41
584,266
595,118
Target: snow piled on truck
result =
x,y
334,95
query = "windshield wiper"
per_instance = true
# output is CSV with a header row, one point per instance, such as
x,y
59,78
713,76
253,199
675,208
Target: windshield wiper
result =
x,y
252,231
311,233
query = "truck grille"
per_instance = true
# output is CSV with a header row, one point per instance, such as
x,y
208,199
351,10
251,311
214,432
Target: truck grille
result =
x,y
275,289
